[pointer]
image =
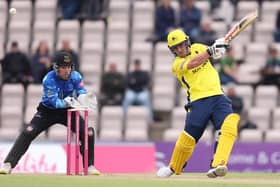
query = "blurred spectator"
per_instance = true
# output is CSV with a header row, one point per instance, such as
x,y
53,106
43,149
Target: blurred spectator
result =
x,y
112,87
41,62
235,10
223,11
16,66
164,21
69,8
236,101
94,9
214,4
228,68
238,107
66,47
206,35
190,17
277,28
137,89
271,71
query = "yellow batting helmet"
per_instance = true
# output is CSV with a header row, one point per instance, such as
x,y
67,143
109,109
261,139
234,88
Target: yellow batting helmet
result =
x,y
176,37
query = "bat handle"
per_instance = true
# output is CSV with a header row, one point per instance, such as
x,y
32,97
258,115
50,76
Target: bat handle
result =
x,y
228,38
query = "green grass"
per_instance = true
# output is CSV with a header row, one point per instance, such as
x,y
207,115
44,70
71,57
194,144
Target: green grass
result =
x,y
141,180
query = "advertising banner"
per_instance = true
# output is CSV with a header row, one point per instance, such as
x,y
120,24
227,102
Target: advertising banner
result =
x,y
126,158
40,158
245,157
146,157
109,158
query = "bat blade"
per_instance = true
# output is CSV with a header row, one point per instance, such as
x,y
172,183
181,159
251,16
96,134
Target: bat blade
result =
x,y
241,25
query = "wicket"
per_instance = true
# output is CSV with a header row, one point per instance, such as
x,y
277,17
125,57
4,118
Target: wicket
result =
x,y
77,142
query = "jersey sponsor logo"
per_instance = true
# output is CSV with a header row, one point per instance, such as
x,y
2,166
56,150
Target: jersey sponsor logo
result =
x,y
198,68
50,93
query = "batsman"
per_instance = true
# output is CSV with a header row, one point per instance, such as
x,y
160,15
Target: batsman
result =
x,y
59,88
206,102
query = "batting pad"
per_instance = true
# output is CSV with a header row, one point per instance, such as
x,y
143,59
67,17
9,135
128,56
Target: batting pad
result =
x,y
226,140
182,152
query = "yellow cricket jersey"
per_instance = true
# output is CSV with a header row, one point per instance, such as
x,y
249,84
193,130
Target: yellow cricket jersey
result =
x,y
199,82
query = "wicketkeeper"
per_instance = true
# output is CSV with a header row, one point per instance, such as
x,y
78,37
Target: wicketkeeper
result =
x,y
59,87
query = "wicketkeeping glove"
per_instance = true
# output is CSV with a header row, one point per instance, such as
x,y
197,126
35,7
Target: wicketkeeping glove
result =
x,y
71,102
88,100
218,49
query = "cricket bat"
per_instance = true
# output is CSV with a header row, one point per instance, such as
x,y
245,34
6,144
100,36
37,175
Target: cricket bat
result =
x,y
241,25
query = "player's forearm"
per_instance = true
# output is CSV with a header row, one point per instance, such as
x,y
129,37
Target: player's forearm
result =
x,y
57,103
198,60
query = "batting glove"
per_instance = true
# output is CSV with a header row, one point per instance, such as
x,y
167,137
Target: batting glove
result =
x,y
218,49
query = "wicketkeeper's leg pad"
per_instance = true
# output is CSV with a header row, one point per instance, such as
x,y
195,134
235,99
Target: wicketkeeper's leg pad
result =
x,y
182,152
226,140
21,145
